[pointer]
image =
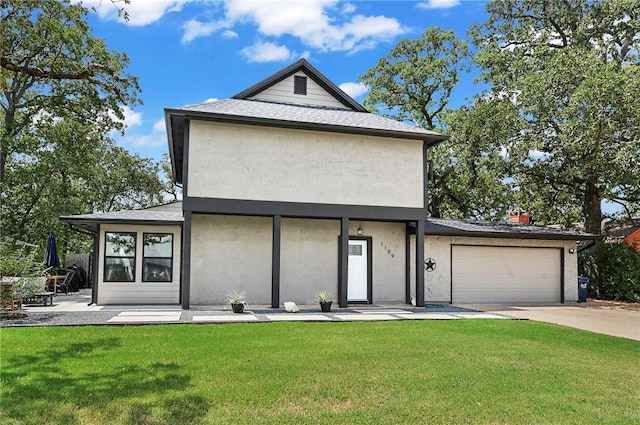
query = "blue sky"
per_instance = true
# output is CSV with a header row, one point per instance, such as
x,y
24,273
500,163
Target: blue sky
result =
x,y
190,51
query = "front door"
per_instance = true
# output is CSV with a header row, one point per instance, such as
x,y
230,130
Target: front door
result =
x,y
358,280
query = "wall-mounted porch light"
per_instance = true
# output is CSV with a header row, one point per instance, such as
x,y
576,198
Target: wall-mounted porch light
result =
x,y
360,230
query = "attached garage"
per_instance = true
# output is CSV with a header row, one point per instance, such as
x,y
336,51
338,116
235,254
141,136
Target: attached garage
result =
x,y
505,274
478,262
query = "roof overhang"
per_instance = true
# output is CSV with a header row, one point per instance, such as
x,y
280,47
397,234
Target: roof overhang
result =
x,y
445,227
511,235
91,225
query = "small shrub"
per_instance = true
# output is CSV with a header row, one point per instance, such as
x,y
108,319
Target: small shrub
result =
x,y
23,268
614,272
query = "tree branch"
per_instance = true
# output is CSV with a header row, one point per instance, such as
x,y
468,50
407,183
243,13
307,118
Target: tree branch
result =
x,y
90,73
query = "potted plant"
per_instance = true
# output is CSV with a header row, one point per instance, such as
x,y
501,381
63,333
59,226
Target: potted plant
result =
x,y
237,300
324,298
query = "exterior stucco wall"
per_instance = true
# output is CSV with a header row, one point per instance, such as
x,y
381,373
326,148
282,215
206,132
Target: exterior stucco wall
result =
x,y
230,253
234,252
438,282
139,292
272,164
308,259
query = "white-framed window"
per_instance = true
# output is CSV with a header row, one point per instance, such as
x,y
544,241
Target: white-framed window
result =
x,y
157,257
120,257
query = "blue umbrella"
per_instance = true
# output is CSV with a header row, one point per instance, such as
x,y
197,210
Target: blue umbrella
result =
x,y
51,258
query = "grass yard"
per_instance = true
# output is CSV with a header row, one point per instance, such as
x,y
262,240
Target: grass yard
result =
x,y
410,372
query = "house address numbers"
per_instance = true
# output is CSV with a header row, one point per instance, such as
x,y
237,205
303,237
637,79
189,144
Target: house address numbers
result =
x,y
387,250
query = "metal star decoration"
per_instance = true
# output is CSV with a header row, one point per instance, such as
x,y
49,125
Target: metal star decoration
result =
x,y
429,264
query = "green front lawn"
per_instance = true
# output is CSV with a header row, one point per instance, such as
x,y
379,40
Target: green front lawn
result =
x,y
410,372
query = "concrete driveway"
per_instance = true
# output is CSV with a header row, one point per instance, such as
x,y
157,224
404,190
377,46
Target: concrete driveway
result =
x,y
615,322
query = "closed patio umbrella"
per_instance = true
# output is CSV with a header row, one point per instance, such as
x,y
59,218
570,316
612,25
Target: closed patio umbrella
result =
x,y
51,258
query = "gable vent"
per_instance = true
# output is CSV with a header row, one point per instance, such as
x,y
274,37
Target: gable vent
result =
x,y
299,85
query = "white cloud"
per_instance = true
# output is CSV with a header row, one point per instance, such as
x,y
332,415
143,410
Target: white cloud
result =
x,y
211,99
194,29
353,89
159,125
319,24
131,117
140,12
438,4
153,140
266,52
229,34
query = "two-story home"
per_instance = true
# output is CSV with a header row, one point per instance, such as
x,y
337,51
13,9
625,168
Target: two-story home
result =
x,y
291,187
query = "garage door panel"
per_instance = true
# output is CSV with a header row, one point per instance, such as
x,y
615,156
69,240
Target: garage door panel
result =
x,y
484,274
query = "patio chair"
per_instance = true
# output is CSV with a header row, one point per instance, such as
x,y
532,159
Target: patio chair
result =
x,y
64,285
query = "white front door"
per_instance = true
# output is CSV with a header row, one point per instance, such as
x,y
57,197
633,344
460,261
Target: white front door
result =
x,y
357,283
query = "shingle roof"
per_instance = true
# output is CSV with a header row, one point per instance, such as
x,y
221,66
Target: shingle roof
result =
x,y
309,115
352,119
443,227
135,215
155,215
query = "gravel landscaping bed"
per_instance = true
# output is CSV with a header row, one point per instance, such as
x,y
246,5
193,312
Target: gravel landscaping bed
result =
x,y
74,318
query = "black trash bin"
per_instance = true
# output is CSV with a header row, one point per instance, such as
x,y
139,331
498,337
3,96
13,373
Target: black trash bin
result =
x,y
583,288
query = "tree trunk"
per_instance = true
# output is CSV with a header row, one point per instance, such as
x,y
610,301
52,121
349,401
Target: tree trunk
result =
x,y
592,207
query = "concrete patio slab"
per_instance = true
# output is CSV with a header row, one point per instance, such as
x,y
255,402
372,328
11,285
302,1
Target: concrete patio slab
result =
x,y
364,317
385,311
146,317
225,318
291,317
428,316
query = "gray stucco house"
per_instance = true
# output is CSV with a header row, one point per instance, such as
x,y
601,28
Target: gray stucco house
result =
x,y
291,187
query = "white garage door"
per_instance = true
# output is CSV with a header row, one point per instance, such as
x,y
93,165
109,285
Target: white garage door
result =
x,y
486,274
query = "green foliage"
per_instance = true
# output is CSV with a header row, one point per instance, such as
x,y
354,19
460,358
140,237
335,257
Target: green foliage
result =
x,y
64,93
25,265
324,296
236,297
614,271
469,173
414,82
571,69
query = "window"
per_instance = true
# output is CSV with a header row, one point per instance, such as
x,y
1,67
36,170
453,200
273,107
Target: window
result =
x,y
120,257
299,85
355,249
157,258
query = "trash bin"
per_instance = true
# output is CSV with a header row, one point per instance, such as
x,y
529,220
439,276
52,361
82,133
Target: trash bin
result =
x,y
583,288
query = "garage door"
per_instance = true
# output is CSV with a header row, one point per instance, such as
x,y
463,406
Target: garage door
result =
x,y
487,274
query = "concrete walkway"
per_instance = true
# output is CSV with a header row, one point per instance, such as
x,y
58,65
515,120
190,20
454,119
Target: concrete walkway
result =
x,y
75,309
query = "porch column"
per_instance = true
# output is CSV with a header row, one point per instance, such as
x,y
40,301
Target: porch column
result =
x,y
95,266
343,261
185,286
420,263
407,273
275,262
